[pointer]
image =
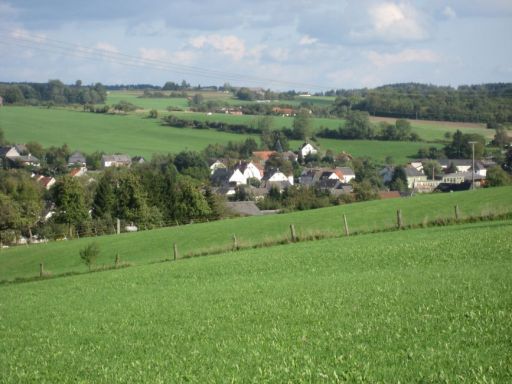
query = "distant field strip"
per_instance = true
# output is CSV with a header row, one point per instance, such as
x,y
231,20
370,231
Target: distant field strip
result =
x,y
430,305
156,245
137,135
91,132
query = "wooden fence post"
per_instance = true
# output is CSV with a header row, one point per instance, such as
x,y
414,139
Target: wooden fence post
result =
x,y
41,270
235,243
175,251
292,231
399,222
457,213
118,226
347,233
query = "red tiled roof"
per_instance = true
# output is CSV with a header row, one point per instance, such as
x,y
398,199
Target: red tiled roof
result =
x,y
45,180
263,155
74,171
389,195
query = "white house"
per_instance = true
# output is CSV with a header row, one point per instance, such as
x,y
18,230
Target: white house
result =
x,y
250,170
8,153
413,176
307,149
115,161
279,176
237,177
345,174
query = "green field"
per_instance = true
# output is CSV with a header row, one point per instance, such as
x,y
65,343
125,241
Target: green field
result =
x,y
137,135
228,98
160,104
91,132
151,246
430,305
278,122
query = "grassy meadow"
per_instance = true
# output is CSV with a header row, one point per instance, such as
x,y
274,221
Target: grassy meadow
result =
x,y
156,245
157,103
428,130
89,132
429,305
137,135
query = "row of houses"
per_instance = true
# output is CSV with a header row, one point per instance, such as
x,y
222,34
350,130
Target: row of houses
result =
x,y
19,156
456,174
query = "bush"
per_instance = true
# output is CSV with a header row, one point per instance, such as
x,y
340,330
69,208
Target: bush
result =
x,y
89,254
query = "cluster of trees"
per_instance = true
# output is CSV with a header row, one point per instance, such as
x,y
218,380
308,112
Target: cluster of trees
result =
x,y
54,91
174,121
172,86
21,203
358,127
232,150
461,146
147,94
476,103
169,190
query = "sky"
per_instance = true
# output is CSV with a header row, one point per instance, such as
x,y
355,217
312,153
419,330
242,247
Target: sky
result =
x,y
279,44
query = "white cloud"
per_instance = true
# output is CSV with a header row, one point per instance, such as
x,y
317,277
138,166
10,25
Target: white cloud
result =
x,y
149,28
307,40
392,22
449,13
106,47
279,54
24,35
405,56
154,54
157,54
229,45
365,22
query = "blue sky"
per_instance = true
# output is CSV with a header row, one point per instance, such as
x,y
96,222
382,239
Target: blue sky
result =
x,y
301,44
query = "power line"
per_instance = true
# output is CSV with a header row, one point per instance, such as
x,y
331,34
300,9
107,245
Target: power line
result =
x,y
75,50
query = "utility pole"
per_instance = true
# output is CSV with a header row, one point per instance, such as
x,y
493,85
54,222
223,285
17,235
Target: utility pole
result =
x,y
473,165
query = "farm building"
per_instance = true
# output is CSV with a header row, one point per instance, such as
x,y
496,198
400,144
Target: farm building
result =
x,y
115,161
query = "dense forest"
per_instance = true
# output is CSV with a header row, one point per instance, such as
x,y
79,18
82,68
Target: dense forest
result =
x,y
54,91
487,103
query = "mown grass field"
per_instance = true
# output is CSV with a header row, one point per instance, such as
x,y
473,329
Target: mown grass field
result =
x,y
156,245
430,305
159,104
91,132
137,135
430,131
162,103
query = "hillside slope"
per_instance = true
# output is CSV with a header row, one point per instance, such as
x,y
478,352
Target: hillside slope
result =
x,y
425,305
151,246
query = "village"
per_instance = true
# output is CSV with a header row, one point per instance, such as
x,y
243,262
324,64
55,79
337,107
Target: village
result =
x,y
244,183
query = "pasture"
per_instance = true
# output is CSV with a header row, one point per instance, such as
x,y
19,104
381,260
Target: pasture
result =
x,y
91,132
430,131
159,104
156,245
137,135
430,305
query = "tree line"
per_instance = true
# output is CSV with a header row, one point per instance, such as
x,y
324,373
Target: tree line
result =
x,y
485,103
52,92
